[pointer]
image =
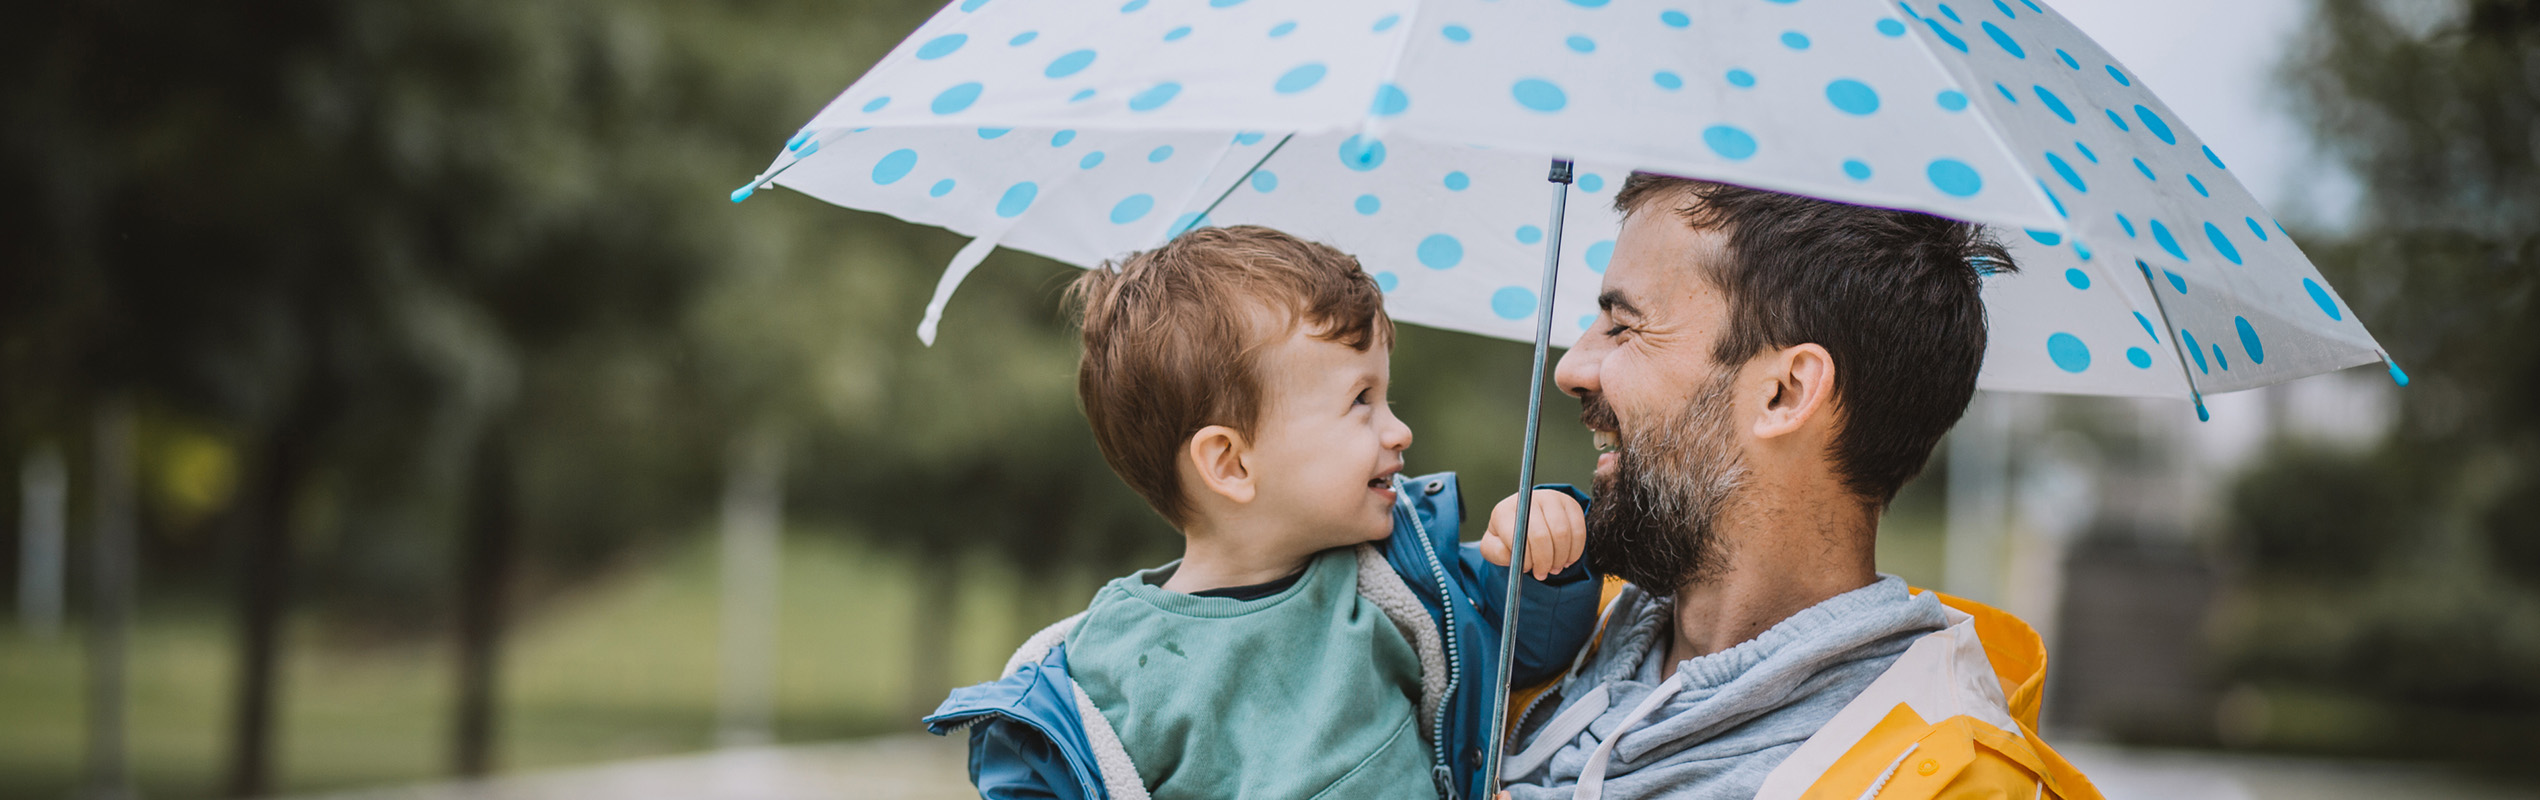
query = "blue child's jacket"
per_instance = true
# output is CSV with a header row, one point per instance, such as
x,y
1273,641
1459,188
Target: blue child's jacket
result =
x,y
1029,737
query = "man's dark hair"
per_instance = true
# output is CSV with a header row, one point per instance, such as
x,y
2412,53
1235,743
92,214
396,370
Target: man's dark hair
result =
x,y
1894,296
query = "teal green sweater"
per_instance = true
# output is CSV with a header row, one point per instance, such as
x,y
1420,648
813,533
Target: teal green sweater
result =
x,y
1311,692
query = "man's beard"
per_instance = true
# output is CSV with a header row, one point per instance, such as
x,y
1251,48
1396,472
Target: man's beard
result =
x,y
1656,518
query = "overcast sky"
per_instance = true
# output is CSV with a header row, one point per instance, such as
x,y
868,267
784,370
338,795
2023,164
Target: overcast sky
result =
x,y
2213,62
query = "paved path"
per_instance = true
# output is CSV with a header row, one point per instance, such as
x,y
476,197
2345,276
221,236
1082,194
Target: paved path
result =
x,y
921,767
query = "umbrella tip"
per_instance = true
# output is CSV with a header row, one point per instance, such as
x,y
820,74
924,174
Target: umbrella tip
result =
x,y
2397,375
744,192
2203,415
797,142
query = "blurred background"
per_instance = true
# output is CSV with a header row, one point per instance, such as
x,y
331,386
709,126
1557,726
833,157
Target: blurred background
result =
x,y
390,395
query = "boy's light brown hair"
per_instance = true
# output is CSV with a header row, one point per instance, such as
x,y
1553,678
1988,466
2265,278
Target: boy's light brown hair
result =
x,y
1172,337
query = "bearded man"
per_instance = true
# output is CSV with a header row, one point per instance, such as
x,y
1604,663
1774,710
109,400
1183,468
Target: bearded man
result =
x,y
1766,372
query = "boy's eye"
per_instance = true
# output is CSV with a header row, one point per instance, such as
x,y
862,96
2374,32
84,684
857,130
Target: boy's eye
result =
x,y
1363,397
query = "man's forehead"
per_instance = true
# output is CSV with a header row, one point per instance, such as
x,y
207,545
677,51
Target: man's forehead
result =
x,y
1659,260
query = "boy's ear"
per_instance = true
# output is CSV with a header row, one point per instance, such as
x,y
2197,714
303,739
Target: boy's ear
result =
x,y
1219,457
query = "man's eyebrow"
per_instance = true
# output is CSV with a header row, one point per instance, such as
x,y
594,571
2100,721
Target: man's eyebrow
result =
x,y
1611,301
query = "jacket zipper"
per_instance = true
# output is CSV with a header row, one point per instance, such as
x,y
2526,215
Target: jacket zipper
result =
x,y
1440,770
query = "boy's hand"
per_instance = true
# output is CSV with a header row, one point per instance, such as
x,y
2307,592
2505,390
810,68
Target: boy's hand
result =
x,y
1554,537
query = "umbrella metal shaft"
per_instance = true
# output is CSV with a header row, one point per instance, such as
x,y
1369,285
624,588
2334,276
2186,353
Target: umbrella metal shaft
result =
x,y
1560,178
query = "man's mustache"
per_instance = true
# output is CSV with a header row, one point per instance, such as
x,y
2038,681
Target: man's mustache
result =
x,y
1597,415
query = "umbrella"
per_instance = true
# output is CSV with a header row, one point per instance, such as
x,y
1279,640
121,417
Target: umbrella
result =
x,y
1407,131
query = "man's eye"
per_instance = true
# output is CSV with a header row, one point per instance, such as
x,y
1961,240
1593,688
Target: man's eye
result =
x,y
1617,330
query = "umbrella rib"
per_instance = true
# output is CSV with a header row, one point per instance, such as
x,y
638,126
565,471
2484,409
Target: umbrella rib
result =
x,y
2177,344
1238,182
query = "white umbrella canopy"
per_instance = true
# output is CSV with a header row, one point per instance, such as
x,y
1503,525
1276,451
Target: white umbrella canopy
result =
x,y
1408,132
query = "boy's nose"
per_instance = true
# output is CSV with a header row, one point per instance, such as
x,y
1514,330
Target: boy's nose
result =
x,y
1397,435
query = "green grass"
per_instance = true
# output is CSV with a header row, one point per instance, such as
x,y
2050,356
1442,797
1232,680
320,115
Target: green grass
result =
x,y
624,667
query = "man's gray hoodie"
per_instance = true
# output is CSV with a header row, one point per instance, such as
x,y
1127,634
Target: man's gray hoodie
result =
x,y
1728,717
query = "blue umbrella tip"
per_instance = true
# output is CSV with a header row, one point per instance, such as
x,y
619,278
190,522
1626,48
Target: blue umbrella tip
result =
x,y
2397,375
2201,414
744,192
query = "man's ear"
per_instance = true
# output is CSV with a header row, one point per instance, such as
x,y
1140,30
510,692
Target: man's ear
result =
x,y
1220,457
1800,387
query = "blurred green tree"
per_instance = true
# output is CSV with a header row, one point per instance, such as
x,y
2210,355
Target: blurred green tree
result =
x,y
2402,579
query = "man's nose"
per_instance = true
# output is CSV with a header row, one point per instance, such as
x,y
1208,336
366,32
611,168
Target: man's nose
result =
x,y
1577,374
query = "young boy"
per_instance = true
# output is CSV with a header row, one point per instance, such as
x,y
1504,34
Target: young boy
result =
x,y
1324,633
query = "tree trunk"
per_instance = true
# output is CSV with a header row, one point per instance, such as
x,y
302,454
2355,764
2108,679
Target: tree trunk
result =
x,y
264,572
111,560
752,551
485,563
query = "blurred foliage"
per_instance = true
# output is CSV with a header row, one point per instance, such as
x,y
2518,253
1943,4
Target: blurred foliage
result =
x,y
2403,582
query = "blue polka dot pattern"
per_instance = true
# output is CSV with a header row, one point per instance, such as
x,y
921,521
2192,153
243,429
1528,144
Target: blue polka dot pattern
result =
x,y
1456,33
1952,100
2120,77
1265,181
2064,170
2177,284
1361,153
2068,353
2249,344
1891,28
2222,244
2217,160
2148,330
1282,29
1158,155
1674,19
2085,152
2048,238
1946,37
1852,97
2319,297
2076,277
2140,358
1529,234
2008,44
1795,40
1299,79
1090,161
2067,58
2194,350
2152,122
2161,235
1729,142
1386,281
2255,229
2113,119
1131,208
1741,79
2145,169
1386,23
1390,100
1591,183
1367,204
1513,302
1069,64
1154,97
2055,104
1023,38
1856,169
1539,95
894,166
1581,44
1600,254
1440,251
1017,198
1061,138
1176,34
941,188
991,133
1954,178
876,104
1668,80
941,46
1457,181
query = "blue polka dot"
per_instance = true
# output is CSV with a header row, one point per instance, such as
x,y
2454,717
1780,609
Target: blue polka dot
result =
x,y
1158,155
2161,234
941,188
2120,76
991,133
1090,160
2148,330
1282,29
1368,204
2081,250
1539,94
2055,104
2006,93
2118,121
876,104
1154,97
1248,138
2319,297
894,166
1080,96
1265,181
1674,19
1852,97
2145,169
1891,28
2069,354
2006,9
1741,79
2140,358
2194,350
1061,138
2198,185
1224,3
1390,100
1513,302
1600,254
1131,208
1176,34
2152,122
1581,44
1299,79
1951,13
1668,80
2076,277
1132,6
1457,180
1456,33
941,46
2004,39
1385,281
1529,234
955,99
2249,343
2065,170
2058,202
1946,37
1069,64
2219,360
2068,58
2177,284
1386,23
2085,152
1362,154
1586,320
1729,142
1953,177
968,6
1953,100
2255,229
1017,198
2217,160
2048,238
2222,244
1795,40
1184,223
1023,38
1440,251
1856,169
